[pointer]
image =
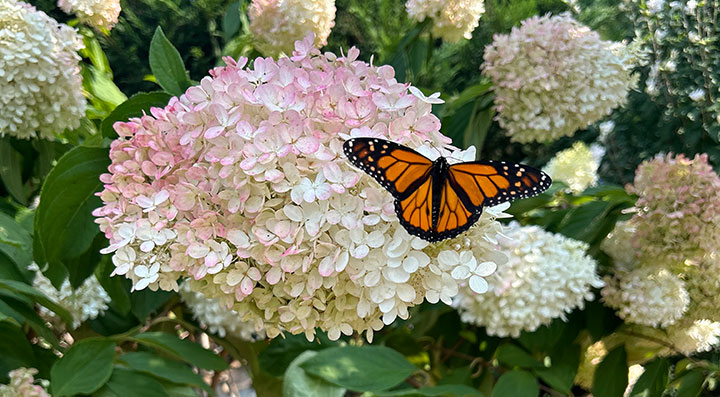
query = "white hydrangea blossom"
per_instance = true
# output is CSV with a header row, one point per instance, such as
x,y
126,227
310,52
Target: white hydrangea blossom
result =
x,y
100,14
553,76
453,20
40,85
576,166
85,303
699,336
647,296
216,318
547,275
277,24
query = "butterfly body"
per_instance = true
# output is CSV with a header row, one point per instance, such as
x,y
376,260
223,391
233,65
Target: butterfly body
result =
x,y
436,200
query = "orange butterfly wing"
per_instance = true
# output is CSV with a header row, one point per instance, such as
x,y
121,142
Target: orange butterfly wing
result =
x,y
397,168
454,216
488,183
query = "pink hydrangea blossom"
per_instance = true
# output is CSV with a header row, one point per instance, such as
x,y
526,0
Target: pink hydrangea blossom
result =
x,y
241,188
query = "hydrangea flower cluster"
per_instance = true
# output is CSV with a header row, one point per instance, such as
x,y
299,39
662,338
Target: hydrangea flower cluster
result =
x,y
553,76
241,186
577,166
453,20
100,14
84,303
680,38
277,24
666,259
216,318
22,384
678,209
40,85
647,296
547,276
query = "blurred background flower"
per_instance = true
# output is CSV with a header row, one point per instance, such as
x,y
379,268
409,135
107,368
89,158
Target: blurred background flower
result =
x,y
40,84
100,14
553,76
452,20
277,24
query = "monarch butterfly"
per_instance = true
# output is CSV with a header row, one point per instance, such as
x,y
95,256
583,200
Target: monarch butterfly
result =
x,y
435,200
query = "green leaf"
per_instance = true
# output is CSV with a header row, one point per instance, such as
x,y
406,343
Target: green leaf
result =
x,y
118,288
161,367
83,266
126,382
15,350
167,65
653,381
564,365
16,244
64,225
513,356
360,368
296,383
611,376
32,319
145,301
581,223
282,351
31,293
231,20
11,171
182,349
443,390
691,383
84,368
133,107
516,384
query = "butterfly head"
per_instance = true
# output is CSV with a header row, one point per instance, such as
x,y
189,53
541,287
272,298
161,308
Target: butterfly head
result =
x,y
441,164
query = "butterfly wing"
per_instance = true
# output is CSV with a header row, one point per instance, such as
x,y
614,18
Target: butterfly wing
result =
x,y
397,168
454,216
488,183
405,173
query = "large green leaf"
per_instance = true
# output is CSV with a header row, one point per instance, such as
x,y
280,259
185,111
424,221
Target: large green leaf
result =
x,y
133,107
167,65
64,225
440,391
653,381
182,349
16,244
611,376
516,384
562,370
31,318
127,382
23,290
513,356
282,351
164,368
118,288
145,301
11,171
15,350
296,383
360,368
84,368
691,383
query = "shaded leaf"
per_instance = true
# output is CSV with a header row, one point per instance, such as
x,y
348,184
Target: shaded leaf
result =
x,y
64,225
653,381
516,384
296,383
443,390
611,376
182,349
84,368
164,368
360,368
11,171
126,382
513,356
